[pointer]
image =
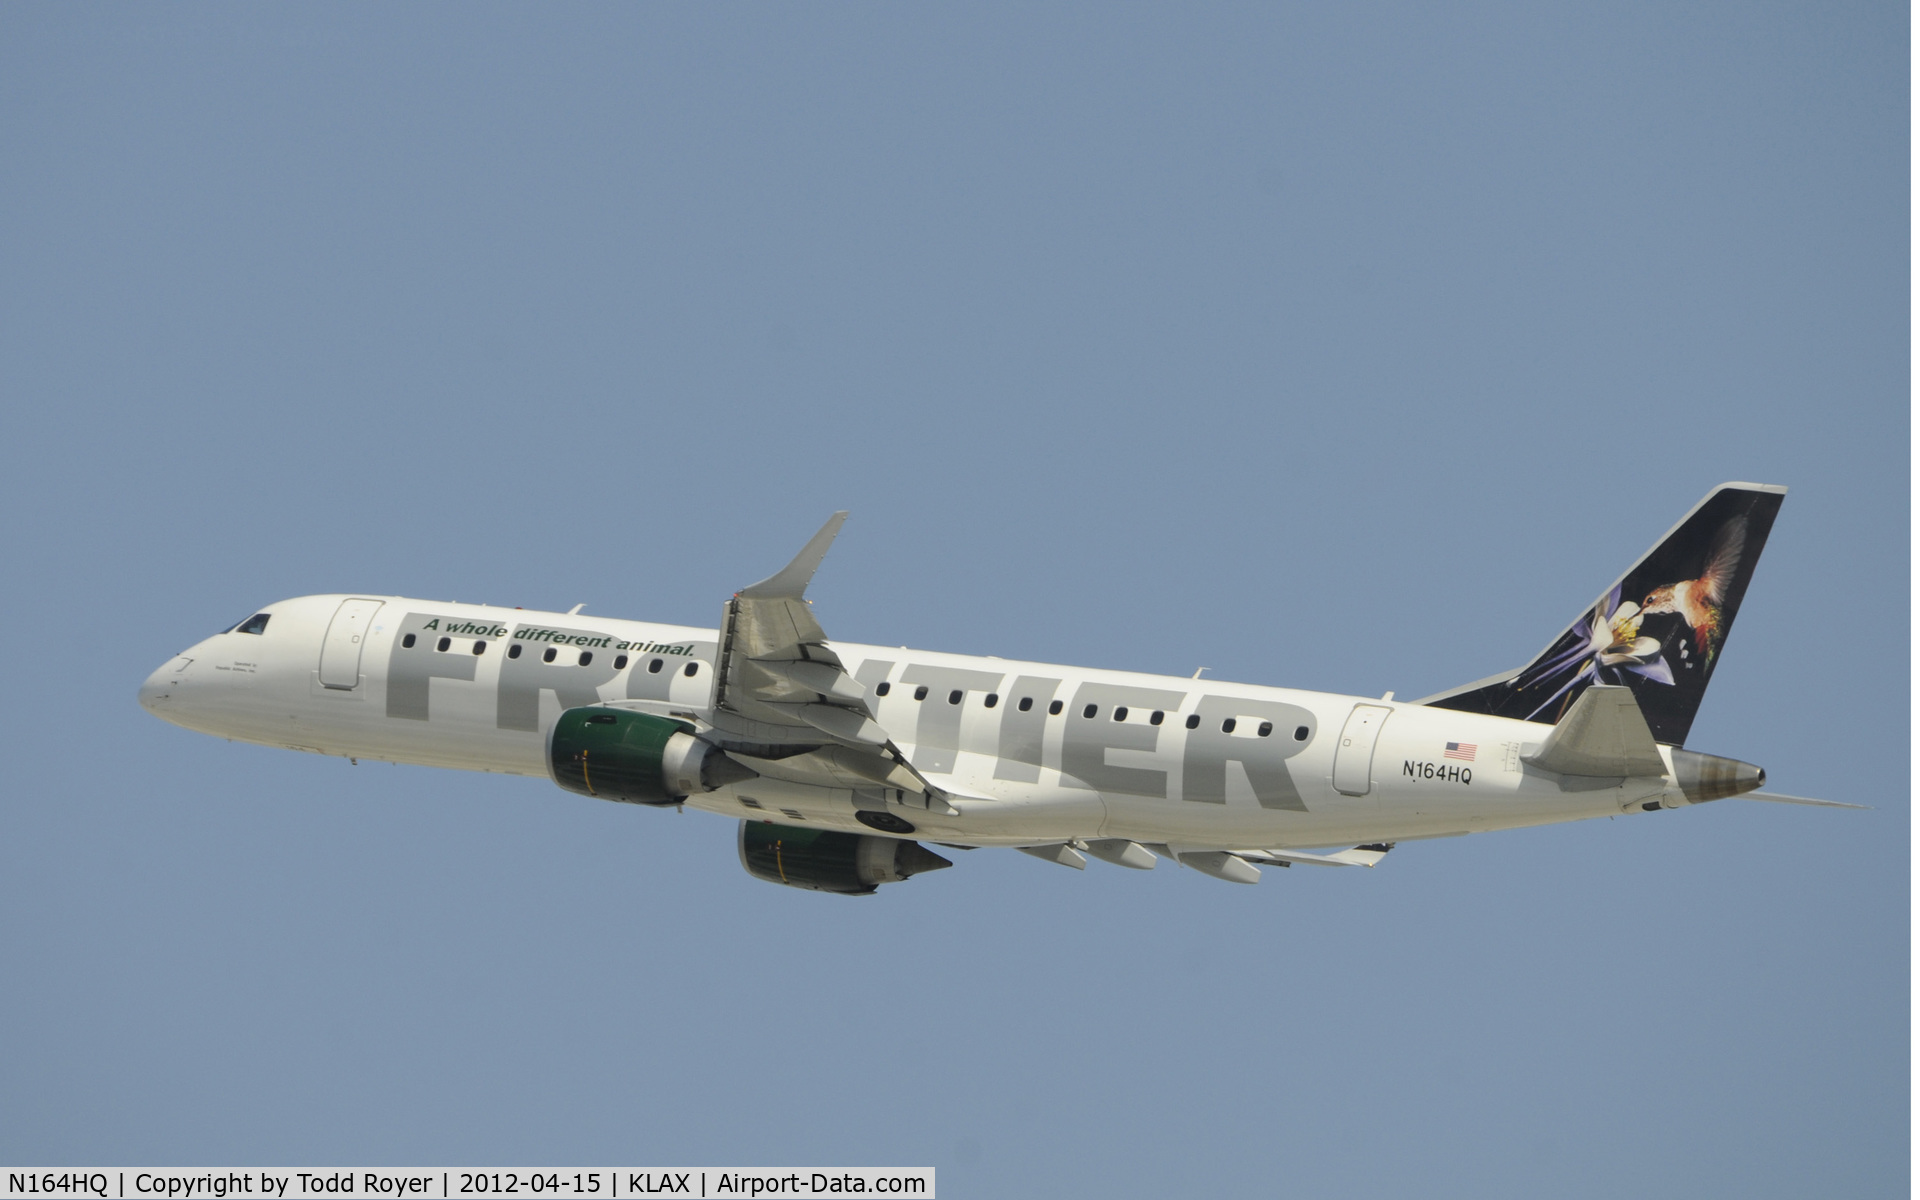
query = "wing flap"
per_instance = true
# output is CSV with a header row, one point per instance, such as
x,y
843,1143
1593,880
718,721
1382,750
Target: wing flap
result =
x,y
844,723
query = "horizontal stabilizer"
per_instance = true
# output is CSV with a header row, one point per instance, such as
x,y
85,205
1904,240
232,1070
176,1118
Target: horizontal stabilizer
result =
x,y
1603,735
1779,799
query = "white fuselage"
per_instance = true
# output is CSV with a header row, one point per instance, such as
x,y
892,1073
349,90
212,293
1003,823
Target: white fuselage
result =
x,y
1223,765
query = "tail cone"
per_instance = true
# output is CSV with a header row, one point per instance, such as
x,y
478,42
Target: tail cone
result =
x,y
1704,777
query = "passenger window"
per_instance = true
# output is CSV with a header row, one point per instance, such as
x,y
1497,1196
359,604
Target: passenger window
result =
x,y
586,656
1227,725
254,624
920,693
406,643
1120,714
1157,717
1266,727
550,655
442,645
513,651
1193,720
954,696
1089,711
619,662
1300,734
992,699
479,647
882,688
1026,704
693,668
653,668
1054,708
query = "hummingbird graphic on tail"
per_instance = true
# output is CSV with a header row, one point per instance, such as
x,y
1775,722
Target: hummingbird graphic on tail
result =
x,y
1698,601
1698,573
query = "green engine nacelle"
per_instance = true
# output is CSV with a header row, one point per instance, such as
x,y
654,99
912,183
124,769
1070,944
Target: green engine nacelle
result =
x,y
826,860
635,757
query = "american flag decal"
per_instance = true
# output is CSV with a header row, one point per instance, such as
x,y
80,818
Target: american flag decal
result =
x,y
1463,751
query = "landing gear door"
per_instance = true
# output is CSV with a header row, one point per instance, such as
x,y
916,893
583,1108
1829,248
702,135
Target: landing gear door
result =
x,y
1353,757
346,636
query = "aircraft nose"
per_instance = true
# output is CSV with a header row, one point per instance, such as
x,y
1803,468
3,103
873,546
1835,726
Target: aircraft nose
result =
x,y
157,693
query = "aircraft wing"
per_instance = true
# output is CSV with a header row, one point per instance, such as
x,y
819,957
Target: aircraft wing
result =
x,y
1359,856
784,704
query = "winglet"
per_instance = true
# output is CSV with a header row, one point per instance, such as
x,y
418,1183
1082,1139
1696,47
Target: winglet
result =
x,y
791,582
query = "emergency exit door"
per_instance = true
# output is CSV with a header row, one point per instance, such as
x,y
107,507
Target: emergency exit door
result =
x,y
1353,757
346,636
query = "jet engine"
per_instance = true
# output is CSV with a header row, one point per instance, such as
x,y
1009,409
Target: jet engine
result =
x,y
826,860
635,757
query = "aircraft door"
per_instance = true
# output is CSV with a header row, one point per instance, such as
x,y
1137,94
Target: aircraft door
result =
x,y
1353,757
346,635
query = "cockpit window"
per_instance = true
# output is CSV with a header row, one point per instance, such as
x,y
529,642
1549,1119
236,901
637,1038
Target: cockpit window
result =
x,y
254,624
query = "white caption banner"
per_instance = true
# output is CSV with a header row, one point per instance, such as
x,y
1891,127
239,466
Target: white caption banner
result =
x,y
444,1183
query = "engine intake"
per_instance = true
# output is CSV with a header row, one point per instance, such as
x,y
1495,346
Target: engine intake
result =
x,y
826,860
636,758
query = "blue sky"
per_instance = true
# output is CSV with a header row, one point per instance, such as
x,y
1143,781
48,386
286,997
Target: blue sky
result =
x,y
1352,347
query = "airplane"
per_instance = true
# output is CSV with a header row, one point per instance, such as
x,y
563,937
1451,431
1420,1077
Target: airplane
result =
x,y
839,759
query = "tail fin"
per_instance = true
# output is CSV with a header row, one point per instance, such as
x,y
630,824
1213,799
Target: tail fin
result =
x,y
1658,630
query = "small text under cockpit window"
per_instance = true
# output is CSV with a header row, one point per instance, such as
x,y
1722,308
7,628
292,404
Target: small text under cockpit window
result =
x,y
254,624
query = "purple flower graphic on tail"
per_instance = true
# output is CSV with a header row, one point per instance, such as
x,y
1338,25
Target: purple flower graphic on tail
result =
x,y
1601,647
